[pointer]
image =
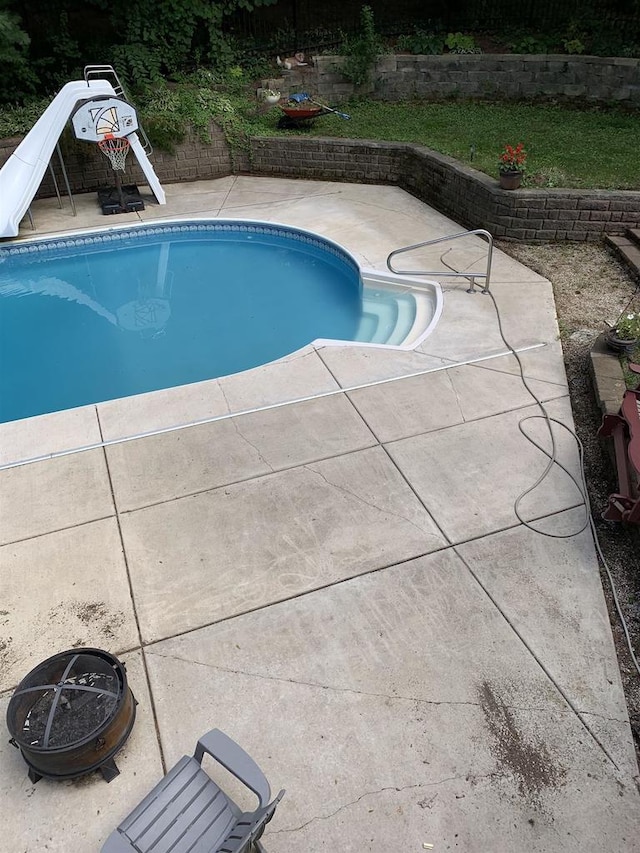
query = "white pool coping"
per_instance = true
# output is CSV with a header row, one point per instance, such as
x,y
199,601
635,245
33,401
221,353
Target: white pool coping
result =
x,y
229,415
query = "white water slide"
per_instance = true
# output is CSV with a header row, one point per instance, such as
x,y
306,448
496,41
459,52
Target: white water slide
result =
x,y
22,174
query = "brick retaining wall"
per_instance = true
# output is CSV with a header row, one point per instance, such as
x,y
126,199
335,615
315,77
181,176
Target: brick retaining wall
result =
x,y
466,195
481,76
87,168
354,160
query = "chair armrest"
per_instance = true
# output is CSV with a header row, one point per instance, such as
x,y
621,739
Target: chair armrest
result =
x,y
234,759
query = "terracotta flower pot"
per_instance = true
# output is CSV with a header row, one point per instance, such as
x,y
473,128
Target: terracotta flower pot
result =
x,y
510,180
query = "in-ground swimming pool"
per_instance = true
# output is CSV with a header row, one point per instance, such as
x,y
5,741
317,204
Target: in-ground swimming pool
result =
x,y
95,317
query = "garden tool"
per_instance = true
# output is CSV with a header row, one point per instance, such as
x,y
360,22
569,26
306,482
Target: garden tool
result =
x,y
302,96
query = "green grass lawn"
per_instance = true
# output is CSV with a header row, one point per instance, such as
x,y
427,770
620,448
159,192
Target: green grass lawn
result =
x,y
566,147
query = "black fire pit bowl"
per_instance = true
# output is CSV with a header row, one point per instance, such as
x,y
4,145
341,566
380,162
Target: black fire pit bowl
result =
x,y
71,714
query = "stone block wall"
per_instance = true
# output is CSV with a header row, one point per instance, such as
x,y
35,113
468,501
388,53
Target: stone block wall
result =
x,y
88,169
355,160
481,76
476,200
466,195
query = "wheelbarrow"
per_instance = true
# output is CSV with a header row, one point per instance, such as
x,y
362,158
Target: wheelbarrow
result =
x,y
300,110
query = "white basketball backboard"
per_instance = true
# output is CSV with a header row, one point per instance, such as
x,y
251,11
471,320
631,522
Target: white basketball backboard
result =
x,y
99,117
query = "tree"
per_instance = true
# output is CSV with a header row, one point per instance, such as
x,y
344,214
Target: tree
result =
x,y
17,77
155,37
50,42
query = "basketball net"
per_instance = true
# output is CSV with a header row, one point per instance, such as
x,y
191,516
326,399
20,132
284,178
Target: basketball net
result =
x,y
115,149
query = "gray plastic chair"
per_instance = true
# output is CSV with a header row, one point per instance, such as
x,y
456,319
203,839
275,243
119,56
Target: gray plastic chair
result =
x,y
188,813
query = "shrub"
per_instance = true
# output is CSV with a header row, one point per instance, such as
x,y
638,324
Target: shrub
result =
x,y
362,50
459,43
421,42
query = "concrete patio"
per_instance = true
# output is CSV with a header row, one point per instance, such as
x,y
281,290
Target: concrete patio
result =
x,y
324,561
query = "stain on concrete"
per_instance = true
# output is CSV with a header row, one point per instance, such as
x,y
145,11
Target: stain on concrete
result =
x,y
528,761
5,650
96,616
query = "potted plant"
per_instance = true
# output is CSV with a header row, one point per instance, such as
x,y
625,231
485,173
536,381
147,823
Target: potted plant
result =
x,y
511,166
271,96
625,335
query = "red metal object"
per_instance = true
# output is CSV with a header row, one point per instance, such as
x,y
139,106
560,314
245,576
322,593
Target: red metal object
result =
x,y
300,113
624,429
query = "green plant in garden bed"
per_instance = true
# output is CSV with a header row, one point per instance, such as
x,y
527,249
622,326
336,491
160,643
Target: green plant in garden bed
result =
x,y
460,43
361,50
627,327
631,379
421,42
528,43
18,120
166,112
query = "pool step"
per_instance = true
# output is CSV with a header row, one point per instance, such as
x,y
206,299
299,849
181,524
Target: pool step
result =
x,y
386,318
397,310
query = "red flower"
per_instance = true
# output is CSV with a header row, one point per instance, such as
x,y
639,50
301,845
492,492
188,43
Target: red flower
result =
x,y
512,159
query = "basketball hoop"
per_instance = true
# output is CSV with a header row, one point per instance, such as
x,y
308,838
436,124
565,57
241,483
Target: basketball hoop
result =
x,y
116,149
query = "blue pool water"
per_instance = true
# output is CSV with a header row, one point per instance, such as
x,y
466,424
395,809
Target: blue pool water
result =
x,y
83,320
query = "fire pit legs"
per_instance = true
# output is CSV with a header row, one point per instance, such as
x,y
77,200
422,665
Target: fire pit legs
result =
x,y
109,770
33,776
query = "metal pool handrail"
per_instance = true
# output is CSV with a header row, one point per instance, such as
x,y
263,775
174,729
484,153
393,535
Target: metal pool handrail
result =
x,y
470,275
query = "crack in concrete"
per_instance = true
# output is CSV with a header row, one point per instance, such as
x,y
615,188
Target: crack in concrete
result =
x,y
350,690
252,445
234,421
224,397
418,785
369,503
447,373
603,717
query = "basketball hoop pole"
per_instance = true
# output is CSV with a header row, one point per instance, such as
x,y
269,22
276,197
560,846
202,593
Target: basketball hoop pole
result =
x,y
118,180
116,150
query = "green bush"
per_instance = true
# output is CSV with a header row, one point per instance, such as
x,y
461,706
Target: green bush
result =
x,y
528,43
421,42
166,112
17,120
574,46
361,51
459,43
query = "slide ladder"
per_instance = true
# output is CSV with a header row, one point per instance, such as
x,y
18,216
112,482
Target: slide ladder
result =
x,y
108,72
22,174
141,148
